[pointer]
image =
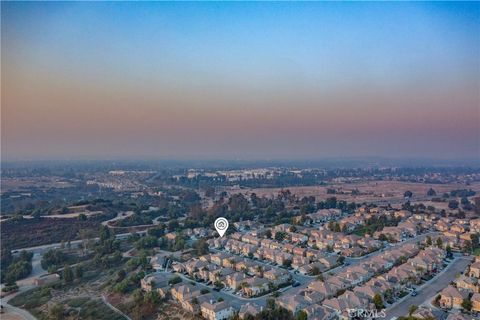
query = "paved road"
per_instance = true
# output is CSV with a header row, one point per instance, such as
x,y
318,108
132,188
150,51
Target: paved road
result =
x,y
12,312
430,289
26,284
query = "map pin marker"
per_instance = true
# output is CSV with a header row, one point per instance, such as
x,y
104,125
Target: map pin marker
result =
x,y
221,225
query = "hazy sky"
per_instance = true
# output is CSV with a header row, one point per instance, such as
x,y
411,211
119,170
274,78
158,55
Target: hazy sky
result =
x,y
241,80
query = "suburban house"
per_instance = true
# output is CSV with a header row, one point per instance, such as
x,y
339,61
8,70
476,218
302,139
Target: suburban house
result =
x,y
476,302
475,270
250,308
451,297
216,310
182,292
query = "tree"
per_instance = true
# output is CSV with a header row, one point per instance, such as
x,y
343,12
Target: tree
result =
x,y
336,228
439,242
388,294
287,263
301,315
270,303
104,233
280,235
378,301
56,311
175,280
408,194
78,271
453,204
315,271
467,304
431,192
121,274
67,274
429,241
268,234
449,251
412,309
201,246
475,240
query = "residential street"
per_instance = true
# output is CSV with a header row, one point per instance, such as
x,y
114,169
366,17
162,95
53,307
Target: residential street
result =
x,y
430,289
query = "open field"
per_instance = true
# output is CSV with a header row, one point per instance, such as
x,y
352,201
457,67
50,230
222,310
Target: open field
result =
x,y
20,184
372,191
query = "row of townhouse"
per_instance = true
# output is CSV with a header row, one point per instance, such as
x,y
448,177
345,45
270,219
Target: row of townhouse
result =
x,y
347,245
277,252
464,287
192,299
234,272
403,230
318,302
323,216
458,232
189,297
397,278
319,299
355,275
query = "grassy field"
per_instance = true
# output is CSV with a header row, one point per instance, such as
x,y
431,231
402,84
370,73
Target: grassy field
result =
x,y
36,302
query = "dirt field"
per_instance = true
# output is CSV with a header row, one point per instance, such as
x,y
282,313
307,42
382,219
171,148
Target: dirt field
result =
x,y
373,191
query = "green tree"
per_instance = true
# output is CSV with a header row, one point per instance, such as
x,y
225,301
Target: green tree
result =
x,y
56,311
412,309
121,274
67,274
449,251
378,301
337,228
201,246
429,241
439,242
175,280
104,233
287,263
268,234
78,271
280,235
467,304
301,315
315,271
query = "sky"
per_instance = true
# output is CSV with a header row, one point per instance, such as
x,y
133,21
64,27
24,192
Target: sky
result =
x,y
239,80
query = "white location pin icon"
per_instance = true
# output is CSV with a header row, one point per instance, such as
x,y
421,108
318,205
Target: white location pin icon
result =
x,y
221,225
